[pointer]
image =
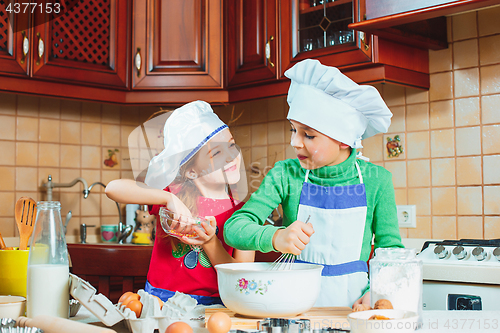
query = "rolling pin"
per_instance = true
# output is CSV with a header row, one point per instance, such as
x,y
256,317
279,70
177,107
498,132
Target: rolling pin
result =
x,y
51,324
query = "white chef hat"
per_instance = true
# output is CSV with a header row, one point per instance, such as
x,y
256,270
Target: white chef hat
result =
x,y
326,100
186,130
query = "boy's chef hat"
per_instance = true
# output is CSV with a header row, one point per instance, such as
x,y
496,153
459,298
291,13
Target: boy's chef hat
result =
x,y
186,130
326,100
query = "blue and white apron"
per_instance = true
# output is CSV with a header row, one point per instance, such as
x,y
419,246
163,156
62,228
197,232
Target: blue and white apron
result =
x,y
338,216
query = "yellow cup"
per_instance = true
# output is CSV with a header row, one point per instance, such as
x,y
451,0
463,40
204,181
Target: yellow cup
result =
x,y
13,272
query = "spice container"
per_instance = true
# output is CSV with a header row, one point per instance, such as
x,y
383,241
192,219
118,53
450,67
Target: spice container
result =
x,y
48,265
396,274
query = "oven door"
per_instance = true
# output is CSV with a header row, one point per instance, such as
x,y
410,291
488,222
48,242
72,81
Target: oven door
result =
x,y
438,295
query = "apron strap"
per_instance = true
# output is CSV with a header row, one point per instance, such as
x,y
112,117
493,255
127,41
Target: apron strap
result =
x,y
359,173
307,175
341,269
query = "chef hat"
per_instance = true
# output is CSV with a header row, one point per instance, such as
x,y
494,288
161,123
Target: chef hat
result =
x,y
326,100
186,130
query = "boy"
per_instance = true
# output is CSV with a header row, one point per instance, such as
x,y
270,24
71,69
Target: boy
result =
x,y
347,201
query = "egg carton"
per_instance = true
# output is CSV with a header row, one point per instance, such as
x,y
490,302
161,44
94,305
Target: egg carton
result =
x,y
152,317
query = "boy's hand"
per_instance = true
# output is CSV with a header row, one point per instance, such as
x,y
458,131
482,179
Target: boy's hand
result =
x,y
204,235
294,238
362,303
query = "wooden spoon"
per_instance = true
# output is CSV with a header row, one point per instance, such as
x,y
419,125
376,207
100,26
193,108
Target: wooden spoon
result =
x,y
25,218
2,243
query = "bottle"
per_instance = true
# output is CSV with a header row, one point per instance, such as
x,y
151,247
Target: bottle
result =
x,y
48,264
397,275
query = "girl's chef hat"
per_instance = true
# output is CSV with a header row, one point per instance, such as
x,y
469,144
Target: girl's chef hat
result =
x,y
326,100
186,130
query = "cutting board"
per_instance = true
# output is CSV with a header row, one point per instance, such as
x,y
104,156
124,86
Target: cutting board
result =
x,y
320,317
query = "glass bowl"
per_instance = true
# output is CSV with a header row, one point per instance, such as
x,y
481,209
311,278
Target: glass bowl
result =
x,y
178,225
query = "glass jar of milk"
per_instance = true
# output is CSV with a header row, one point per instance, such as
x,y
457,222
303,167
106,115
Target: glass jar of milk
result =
x,y
396,275
48,265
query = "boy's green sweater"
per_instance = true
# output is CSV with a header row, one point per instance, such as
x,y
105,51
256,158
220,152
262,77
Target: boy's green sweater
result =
x,y
245,230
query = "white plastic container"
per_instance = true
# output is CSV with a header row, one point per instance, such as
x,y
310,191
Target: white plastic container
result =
x,y
151,318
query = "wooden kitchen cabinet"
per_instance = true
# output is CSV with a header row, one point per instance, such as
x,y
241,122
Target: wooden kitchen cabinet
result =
x,y
252,41
321,32
14,33
177,44
419,22
87,44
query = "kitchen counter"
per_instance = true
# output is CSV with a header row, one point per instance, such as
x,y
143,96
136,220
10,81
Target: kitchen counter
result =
x,y
433,322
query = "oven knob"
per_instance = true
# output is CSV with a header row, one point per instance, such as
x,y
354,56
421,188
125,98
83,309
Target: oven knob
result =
x,y
440,251
479,253
496,253
459,252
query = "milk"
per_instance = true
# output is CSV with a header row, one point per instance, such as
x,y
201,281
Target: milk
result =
x,y
48,290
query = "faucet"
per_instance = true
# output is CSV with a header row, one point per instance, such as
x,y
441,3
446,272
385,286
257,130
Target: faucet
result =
x,y
50,185
124,230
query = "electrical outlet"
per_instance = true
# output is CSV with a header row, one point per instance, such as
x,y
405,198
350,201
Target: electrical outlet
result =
x,y
407,216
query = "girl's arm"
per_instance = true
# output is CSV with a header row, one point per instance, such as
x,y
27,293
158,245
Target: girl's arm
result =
x,y
129,191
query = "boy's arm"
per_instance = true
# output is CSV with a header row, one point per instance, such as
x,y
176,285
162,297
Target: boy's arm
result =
x,y
129,191
385,219
245,230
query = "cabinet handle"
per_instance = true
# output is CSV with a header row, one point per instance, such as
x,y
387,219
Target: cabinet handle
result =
x,y
138,61
26,47
41,48
363,38
268,50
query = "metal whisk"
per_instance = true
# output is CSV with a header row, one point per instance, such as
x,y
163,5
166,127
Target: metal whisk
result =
x,y
285,260
283,263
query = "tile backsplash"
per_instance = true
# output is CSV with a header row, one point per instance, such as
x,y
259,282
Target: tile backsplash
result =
x,y
65,139
450,137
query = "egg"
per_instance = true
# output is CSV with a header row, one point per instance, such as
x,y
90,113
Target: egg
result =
x,y
136,306
219,322
124,296
179,327
131,297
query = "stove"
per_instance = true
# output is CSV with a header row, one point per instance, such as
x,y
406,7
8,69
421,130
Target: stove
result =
x,y
461,274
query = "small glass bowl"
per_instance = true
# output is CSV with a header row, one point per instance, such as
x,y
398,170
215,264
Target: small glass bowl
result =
x,y
178,225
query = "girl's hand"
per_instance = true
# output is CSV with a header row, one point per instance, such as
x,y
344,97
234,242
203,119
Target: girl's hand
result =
x,y
205,235
294,238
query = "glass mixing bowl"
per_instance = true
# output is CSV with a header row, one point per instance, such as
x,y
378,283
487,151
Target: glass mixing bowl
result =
x,y
178,225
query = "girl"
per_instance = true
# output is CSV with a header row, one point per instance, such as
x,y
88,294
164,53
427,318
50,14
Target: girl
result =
x,y
347,201
195,174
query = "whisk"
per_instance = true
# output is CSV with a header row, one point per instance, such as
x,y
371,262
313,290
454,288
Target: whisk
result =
x,y
285,260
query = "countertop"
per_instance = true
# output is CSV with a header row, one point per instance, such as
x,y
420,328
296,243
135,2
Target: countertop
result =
x,y
433,322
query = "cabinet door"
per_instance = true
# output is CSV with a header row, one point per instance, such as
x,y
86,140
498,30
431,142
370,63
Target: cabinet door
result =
x,y
252,41
86,44
177,44
319,29
14,40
